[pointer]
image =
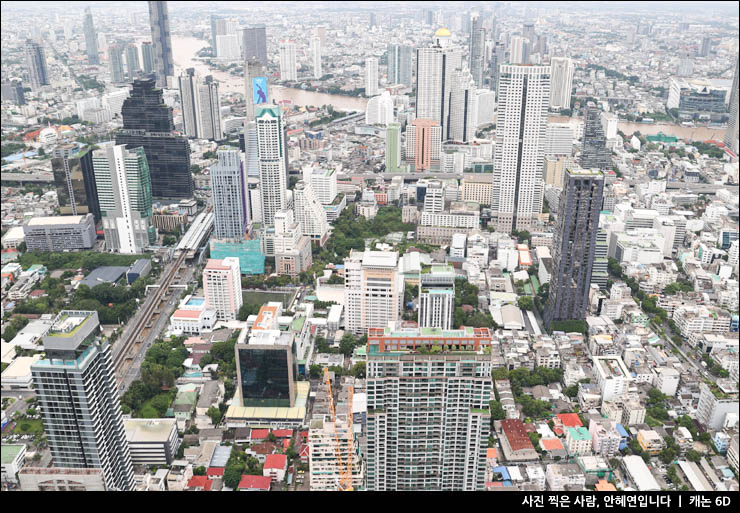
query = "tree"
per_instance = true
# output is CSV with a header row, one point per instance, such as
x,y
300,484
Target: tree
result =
x,y
347,344
215,415
497,410
359,370
232,476
199,471
314,371
271,437
693,455
525,303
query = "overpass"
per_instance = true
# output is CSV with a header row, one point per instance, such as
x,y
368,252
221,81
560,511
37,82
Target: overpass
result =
x,y
197,234
27,177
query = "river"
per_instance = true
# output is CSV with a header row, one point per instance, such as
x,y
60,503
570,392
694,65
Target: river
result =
x,y
184,50
701,133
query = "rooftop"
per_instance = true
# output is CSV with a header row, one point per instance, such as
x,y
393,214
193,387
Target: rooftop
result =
x,y
8,452
54,220
149,430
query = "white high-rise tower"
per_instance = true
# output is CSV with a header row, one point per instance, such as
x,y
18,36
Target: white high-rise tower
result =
x,y
201,106
562,83
316,57
288,69
371,76
271,161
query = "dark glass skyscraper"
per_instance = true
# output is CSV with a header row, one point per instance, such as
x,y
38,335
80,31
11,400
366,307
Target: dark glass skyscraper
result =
x,y
266,374
147,122
74,180
13,92
160,25
399,58
594,153
91,39
36,62
254,44
147,56
574,245
477,49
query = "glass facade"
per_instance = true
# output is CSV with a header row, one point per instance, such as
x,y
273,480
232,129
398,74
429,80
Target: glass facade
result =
x,y
74,181
266,376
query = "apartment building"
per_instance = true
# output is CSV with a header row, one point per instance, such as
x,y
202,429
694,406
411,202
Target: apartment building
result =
x,y
222,287
578,441
60,233
373,290
605,438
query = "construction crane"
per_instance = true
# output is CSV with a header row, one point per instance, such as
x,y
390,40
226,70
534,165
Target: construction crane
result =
x,y
345,472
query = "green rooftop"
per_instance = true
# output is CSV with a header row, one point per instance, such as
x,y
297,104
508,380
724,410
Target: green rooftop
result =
x,y
580,433
70,333
298,323
9,452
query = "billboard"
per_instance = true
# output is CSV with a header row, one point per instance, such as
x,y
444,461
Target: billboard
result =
x,y
259,90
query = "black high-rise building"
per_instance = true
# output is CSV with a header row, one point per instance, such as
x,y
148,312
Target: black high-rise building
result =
x,y
574,245
91,39
36,62
147,122
74,180
254,44
594,153
13,92
160,25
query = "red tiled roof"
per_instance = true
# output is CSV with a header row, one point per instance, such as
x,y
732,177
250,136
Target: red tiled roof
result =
x,y
551,444
254,483
278,461
200,482
215,472
570,419
283,433
186,314
491,453
516,434
260,434
286,443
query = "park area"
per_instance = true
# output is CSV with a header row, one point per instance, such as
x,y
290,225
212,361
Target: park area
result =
x,y
262,297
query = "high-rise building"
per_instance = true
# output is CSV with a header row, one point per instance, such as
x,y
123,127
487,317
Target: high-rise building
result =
x,y
523,98
463,119
706,46
160,25
498,57
371,76
288,69
562,83
373,290
79,400
251,159
292,248
132,61
594,153
147,122
600,268
222,287
309,213
717,403
147,56
12,91
36,63
428,418
91,39
437,296
271,161
393,148
435,70
323,182
217,28
115,59
256,86
519,50
733,125
399,59
228,46
316,57
201,106
476,52
423,144
254,44
230,195
125,196
74,180
379,110
574,245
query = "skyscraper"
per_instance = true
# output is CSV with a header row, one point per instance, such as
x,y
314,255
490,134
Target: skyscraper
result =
x,y
574,245
147,122
435,68
423,144
288,69
733,125
519,50
115,59
271,161
256,86
230,195
79,402
147,56
12,91
371,76
201,106
74,180
393,148
523,98
132,61
309,213
160,25
215,31
373,290
463,118
316,57
562,83
706,46
594,153
125,196
254,44
498,57
251,160
36,63
399,59
477,49
222,287
91,39
428,418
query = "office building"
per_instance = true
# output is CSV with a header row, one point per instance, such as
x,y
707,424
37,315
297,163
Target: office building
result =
x,y
125,196
733,125
74,180
148,122
132,62
309,213
594,153
292,248
418,443
36,64
60,233
558,140
160,27
393,148
562,83
147,57
574,246
201,106
271,162
288,68
256,87
379,110
477,47
498,57
423,144
12,91
371,76
399,59
79,401
437,297
435,78
222,287
254,44
115,60
91,39
523,99
463,119
316,57
230,196
324,184
691,96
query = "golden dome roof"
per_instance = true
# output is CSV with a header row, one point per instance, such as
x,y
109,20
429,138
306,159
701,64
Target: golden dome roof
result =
x,y
443,32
